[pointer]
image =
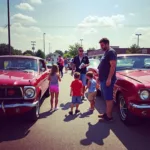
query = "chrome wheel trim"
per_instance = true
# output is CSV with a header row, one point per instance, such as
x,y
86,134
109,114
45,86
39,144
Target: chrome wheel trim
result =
x,y
123,108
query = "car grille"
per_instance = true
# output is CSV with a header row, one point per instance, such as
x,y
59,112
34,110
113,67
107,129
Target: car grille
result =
x,y
10,92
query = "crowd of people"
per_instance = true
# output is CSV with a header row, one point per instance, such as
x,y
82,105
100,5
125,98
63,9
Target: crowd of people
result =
x,y
106,80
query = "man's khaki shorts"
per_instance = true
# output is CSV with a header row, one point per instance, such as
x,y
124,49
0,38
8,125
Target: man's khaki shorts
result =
x,y
92,96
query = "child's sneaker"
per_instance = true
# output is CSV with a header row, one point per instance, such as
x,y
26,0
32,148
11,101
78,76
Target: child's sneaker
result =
x,y
57,108
70,113
77,111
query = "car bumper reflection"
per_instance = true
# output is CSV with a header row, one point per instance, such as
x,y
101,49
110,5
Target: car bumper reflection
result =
x,y
142,110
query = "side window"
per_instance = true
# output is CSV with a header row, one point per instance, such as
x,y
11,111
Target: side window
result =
x,y
42,66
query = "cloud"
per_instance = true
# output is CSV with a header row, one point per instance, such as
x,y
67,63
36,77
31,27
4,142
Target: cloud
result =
x,y
23,19
95,21
36,1
131,14
116,6
25,6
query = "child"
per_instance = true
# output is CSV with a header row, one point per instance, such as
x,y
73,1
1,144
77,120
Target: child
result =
x,y
92,90
76,92
54,85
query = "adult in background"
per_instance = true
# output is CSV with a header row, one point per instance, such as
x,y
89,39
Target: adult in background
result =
x,y
61,65
80,64
66,65
107,77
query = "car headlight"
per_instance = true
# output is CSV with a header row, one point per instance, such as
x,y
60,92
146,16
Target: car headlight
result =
x,y
29,92
144,95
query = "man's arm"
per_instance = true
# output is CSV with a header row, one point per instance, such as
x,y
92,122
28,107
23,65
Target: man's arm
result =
x,y
112,69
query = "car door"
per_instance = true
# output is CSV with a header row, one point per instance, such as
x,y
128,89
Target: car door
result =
x,y
44,76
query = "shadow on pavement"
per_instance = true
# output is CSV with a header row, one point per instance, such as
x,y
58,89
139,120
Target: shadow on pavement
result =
x,y
70,117
132,137
86,114
46,114
65,106
95,134
14,128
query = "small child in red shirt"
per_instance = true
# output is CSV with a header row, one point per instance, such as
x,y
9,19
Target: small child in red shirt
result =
x,y
76,93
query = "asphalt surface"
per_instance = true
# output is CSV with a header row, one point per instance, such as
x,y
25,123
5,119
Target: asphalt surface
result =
x,y
59,131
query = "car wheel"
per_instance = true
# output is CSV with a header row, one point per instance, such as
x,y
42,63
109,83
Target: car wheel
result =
x,y
34,114
125,115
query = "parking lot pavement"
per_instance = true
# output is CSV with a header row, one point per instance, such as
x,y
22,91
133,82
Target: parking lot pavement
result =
x,y
59,131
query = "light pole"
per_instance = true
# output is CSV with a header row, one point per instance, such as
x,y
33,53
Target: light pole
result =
x,y
33,43
81,41
44,42
8,14
138,35
49,48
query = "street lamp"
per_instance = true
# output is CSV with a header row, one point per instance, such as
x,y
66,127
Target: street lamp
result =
x,y
8,14
138,35
81,41
44,42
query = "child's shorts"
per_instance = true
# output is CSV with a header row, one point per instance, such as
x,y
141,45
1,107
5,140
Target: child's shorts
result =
x,y
92,96
54,88
76,100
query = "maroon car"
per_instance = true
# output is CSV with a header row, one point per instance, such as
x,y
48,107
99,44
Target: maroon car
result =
x,y
23,82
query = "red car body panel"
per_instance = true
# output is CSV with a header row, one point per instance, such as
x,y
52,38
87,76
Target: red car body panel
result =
x,y
20,79
129,83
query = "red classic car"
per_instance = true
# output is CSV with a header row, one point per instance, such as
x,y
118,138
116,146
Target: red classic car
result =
x,y
132,88
23,82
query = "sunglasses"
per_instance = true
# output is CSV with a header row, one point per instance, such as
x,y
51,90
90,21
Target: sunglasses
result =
x,y
81,50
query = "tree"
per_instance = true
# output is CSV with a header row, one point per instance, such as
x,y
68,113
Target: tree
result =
x,y
59,52
17,52
73,49
40,54
28,53
134,49
4,50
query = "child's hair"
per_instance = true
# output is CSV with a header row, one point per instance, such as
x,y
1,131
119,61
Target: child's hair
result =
x,y
54,70
90,74
76,75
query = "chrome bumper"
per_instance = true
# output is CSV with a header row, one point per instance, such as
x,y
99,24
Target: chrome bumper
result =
x,y
142,106
3,106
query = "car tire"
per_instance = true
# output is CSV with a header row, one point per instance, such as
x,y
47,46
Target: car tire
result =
x,y
35,112
125,115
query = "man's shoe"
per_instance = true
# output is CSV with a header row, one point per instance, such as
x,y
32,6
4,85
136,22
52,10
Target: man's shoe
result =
x,y
70,113
77,111
102,115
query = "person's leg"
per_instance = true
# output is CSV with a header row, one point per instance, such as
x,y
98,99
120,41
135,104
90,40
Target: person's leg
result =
x,y
56,100
108,96
72,105
78,102
83,79
52,99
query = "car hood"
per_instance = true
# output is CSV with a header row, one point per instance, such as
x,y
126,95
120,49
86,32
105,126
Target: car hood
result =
x,y
16,77
142,76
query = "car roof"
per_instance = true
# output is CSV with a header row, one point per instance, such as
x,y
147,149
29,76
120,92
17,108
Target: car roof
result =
x,y
125,55
20,56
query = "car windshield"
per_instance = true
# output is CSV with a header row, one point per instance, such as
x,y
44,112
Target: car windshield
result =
x,y
133,62
94,63
21,64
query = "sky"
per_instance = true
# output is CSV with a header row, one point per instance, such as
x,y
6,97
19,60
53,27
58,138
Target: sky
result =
x,y
65,22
